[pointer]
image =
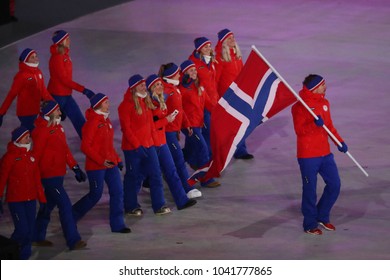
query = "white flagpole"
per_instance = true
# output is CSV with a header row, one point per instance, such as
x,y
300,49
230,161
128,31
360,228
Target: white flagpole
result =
x,y
308,108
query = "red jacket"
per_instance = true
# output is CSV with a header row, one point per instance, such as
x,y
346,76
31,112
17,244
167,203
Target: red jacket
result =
x,y
137,130
51,149
19,171
29,87
98,141
174,102
61,74
227,71
160,121
312,141
207,75
194,104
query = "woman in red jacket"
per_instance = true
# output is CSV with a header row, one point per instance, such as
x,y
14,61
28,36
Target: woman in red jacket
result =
x,y
161,119
29,88
170,73
20,173
195,100
61,82
53,154
136,119
228,66
204,60
102,164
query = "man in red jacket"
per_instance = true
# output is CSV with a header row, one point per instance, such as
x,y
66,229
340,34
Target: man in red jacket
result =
x,y
29,88
20,173
314,156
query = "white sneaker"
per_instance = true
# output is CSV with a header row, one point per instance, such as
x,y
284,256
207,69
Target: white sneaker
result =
x,y
194,193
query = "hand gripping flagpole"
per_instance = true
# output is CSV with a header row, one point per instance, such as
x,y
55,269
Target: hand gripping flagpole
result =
x,y
308,108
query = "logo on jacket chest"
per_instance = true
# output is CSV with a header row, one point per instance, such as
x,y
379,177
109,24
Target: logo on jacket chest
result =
x,y
325,108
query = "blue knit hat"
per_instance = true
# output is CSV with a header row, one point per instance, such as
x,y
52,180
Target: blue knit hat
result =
x,y
49,108
59,36
171,71
223,34
187,64
135,80
200,42
19,133
97,100
151,80
315,82
25,55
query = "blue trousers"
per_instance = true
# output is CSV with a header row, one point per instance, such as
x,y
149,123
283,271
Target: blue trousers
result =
x,y
96,179
178,158
172,178
28,121
56,196
241,150
198,147
312,211
72,110
138,167
206,130
23,216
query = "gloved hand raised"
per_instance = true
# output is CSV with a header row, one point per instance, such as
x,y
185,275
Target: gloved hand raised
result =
x,y
319,121
89,93
79,174
343,148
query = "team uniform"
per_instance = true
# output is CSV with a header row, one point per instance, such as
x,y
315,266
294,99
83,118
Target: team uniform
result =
x,y
314,157
53,154
29,88
19,171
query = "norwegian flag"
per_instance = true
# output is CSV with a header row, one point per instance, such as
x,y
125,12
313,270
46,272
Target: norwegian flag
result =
x,y
255,96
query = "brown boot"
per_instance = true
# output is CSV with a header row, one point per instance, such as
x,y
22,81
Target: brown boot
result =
x,y
42,243
79,245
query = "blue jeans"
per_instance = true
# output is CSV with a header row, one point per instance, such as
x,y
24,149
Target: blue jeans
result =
x,y
23,216
139,166
72,110
56,196
312,211
96,179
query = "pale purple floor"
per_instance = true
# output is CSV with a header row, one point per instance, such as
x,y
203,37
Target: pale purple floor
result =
x,y
255,214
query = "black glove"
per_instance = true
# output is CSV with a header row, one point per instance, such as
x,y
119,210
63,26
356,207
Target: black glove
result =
x,y
89,93
343,148
320,121
79,174
1,120
120,165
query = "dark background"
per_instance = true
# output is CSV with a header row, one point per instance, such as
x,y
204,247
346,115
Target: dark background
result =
x,y
37,15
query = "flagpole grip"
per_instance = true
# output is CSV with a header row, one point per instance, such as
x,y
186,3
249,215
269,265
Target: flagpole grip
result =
x,y
308,108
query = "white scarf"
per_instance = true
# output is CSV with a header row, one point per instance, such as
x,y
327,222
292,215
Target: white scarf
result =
x,y
99,112
35,65
56,121
141,95
207,58
27,146
173,82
